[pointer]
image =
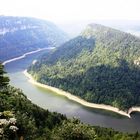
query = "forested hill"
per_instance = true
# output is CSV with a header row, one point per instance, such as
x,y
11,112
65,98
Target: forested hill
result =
x,y
19,35
20,119
101,65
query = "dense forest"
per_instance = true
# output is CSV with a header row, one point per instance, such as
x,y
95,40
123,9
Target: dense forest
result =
x,y
20,119
31,121
101,65
19,35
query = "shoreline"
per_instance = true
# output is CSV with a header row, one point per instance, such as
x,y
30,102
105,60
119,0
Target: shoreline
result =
x,y
24,55
79,100
134,109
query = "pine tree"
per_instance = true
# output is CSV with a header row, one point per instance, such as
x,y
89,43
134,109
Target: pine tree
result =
x,y
4,80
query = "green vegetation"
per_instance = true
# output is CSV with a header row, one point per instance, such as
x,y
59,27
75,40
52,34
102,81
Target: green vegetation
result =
x,y
20,119
73,130
19,35
8,128
31,120
102,65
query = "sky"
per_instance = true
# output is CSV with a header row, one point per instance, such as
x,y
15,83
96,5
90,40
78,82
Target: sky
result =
x,y
61,11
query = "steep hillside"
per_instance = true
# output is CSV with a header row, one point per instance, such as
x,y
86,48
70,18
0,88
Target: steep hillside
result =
x,y
20,119
19,35
100,66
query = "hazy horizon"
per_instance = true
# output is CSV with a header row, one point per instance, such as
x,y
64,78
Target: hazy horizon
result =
x,y
64,11
73,15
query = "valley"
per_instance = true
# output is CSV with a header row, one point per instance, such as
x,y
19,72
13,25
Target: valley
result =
x,y
63,88
23,34
50,100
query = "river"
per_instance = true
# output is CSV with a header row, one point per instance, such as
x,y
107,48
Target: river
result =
x,y
54,102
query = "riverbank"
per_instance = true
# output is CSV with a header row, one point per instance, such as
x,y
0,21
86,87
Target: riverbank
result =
x,y
79,100
24,55
134,109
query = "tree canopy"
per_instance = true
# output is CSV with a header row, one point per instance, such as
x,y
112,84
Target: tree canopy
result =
x,y
101,66
21,119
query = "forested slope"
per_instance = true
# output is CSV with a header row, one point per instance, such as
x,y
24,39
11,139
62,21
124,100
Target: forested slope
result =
x,y
19,35
101,65
20,119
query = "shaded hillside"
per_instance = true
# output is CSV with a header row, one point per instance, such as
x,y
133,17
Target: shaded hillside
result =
x,y
32,122
101,66
20,119
19,35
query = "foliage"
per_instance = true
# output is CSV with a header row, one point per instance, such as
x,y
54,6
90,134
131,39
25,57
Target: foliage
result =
x,y
25,120
32,121
3,79
8,128
99,66
73,130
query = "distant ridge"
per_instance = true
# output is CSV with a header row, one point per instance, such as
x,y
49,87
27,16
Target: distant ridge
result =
x,y
19,35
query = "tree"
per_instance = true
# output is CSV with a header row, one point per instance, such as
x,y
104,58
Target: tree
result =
x,y
4,80
73,130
